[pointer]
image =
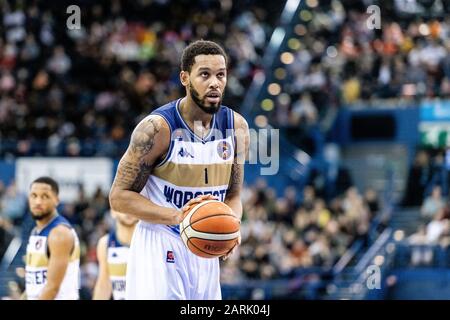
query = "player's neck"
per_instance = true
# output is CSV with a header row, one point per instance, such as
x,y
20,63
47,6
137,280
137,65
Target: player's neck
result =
x,y
124,233
40,224
192,113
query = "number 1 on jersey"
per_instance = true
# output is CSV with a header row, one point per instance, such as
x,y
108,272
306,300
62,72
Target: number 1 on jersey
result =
x,y
206,175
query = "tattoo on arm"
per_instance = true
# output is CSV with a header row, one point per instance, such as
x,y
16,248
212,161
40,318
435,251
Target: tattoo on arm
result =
x,y
135,168
236,179
132,176
241,154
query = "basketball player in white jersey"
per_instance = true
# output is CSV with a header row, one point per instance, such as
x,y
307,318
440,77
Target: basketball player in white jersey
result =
x,y
187,151
112,255
53,250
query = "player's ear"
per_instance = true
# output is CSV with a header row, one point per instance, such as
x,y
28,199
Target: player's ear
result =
x,y
56,200
184,78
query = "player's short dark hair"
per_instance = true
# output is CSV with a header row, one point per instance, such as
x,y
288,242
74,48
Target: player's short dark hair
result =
x,y
51,182
197,48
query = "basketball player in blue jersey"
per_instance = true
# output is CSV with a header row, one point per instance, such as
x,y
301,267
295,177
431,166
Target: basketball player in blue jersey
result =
x,y
112,255
53,250
187,151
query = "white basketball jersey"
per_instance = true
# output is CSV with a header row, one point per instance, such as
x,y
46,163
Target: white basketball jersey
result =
x,y
37,260
117,266
193,166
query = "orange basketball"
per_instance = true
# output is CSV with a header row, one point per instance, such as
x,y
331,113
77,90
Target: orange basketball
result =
x,y
210,229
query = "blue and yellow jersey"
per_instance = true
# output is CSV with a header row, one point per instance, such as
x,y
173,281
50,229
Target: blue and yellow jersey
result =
x,y
193,166
37,259
117,265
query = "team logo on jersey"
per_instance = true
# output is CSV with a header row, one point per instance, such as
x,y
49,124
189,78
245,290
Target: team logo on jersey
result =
x,y
38,244
170,257
184,153
224,150
178,134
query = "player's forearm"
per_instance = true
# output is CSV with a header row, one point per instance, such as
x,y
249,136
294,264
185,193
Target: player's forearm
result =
x,y
140,207
49,292
102,291
235,203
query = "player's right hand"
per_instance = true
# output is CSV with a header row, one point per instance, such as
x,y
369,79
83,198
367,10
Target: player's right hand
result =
x,y
191,203
176,217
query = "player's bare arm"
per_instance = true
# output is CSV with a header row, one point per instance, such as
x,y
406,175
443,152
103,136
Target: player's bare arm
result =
x,y
61,243
233,198
103,286
149,143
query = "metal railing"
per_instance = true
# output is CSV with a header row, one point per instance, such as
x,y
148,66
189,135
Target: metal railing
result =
x,y
10,253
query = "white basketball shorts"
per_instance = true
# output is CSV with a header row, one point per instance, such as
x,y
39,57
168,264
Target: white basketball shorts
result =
x,y
160,267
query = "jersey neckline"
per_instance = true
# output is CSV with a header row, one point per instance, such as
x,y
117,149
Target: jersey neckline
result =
x,y
212,124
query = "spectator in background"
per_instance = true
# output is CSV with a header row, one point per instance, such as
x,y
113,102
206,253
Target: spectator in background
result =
x,y
332,178
432,204
372,200
5,236
14,204
438,227
418,177
123,61
439,174
421,253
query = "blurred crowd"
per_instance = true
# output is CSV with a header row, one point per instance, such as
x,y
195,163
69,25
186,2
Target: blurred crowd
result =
x,y
333,59
280,235
433,230
283,235
81,92
427,189
429,169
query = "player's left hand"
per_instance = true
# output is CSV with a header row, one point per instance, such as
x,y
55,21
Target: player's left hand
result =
x,y
225,257
191,203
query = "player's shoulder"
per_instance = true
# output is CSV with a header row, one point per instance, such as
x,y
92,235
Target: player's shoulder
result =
x,y
102,243
150,129
153,123
239,121
104,239
61,234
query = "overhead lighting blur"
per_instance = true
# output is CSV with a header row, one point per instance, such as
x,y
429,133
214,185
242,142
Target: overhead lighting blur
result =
x,y
261,121
287,58
332,52
274,89
399,235
280,73
424,29
267,105
300,30
305,15
378,260
284,99
294,44
312,3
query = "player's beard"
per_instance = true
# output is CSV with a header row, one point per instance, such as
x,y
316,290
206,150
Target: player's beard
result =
x,y
42,216
201,103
